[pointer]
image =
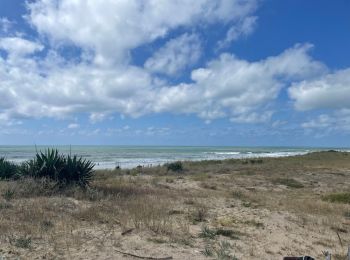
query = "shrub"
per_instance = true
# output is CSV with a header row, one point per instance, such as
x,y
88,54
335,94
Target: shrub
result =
x,y
76,170
8,170
28,168
48,164
22,242
206,232
175,166
63,169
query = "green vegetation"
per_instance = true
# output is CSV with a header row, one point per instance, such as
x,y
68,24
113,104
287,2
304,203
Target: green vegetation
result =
x,y
21,242
221,251
175,166
206,232
291,183
338,198
49,164
8,170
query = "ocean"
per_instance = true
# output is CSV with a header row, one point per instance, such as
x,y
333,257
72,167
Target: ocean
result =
x,y
109,157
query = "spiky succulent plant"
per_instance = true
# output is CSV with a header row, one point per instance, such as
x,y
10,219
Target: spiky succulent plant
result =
x,y
8,170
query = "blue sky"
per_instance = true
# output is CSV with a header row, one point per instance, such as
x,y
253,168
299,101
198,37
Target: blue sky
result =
x,y
223,72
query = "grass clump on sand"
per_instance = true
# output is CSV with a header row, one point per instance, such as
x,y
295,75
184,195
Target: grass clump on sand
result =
x,y
220,251
209,233
290,183
343,197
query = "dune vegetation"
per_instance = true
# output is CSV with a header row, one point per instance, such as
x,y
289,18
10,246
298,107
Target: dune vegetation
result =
x,y
57,207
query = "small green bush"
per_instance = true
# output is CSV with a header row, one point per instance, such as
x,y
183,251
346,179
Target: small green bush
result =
x,y
338,198
206,232
175,166
291,183
23,242
8,170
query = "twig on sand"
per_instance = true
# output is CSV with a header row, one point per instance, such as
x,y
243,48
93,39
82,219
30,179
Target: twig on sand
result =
x,y
145,257
127,231
341,243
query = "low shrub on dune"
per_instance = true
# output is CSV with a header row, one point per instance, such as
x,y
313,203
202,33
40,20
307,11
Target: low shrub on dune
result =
x,y
63,169
174,166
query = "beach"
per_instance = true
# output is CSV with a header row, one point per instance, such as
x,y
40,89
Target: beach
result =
x,y
261,208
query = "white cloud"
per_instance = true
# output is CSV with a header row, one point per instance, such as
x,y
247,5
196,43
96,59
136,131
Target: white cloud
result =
x,y
235,88
328,93
331,91
106,31
18,46
73,126
177,54
243,28
111,28
338,121
5,24
226,87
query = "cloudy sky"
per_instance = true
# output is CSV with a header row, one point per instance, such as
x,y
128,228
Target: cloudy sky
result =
x,y
177,72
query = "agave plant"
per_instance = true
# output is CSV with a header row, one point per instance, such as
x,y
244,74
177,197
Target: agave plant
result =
x,y
76,170
8,170
48,164
65,170
29,168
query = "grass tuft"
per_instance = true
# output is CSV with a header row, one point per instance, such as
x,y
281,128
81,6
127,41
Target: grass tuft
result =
x,y
338,198
289,182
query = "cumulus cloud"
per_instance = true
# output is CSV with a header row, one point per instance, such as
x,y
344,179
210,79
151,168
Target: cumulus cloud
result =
x,y
48,85
225,87
330,91
235,88
111,28
177,54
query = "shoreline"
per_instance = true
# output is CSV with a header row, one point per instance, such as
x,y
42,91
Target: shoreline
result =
x,y
130,157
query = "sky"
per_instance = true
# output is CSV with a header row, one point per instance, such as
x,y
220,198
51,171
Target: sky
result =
x,y
179,72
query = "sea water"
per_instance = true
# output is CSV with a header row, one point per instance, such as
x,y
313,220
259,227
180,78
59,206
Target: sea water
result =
x,y
109,157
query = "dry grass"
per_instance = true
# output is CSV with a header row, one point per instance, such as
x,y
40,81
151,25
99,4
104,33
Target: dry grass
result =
x,y
282,206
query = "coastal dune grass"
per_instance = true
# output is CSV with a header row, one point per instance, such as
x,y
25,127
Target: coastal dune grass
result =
x,y
343,197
